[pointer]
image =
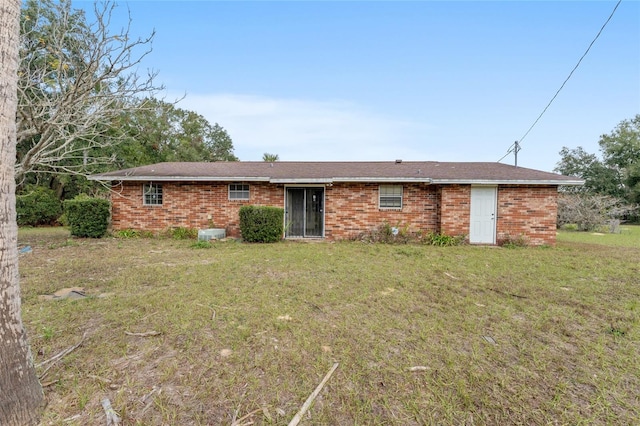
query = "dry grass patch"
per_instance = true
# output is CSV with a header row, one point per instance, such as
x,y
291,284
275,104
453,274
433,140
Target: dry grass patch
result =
x,y
520,336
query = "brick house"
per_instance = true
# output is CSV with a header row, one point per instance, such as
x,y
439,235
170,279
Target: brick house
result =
x,y
486,202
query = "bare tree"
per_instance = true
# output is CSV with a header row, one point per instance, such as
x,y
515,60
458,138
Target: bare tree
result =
x,y
590,212
20,392
77,81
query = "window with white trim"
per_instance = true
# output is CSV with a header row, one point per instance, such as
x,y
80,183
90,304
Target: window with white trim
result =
x,y
390,196
152,194
238,191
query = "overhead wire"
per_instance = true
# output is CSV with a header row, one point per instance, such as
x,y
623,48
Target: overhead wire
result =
x,y
509,151
512,146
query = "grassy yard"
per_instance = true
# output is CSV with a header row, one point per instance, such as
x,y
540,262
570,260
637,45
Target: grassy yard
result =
x,y
502,336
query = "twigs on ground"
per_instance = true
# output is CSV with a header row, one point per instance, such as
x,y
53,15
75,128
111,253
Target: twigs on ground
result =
x,y
246,416
213,312
145,334
147,401
54,359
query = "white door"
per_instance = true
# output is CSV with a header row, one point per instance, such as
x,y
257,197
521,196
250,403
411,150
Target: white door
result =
x,y
482,227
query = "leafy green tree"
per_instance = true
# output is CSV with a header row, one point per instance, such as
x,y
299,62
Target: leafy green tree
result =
x,y
618,173
621,151
621,147
616,176
633,182
599,178
159,131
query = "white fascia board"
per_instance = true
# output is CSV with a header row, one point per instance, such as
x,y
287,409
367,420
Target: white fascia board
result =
x,y
383,179
349,179
181,178
301,180
576,182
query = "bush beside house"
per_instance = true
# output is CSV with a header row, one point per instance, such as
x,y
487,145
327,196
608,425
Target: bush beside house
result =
x,y
87,217
261,224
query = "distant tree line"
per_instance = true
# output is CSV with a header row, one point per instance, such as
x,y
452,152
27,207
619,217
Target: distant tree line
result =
x,y
612,180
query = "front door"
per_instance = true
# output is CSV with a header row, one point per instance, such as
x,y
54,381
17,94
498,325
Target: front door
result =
x,y
304,213
482,227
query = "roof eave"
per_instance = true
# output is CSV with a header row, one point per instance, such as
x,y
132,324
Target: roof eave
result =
x,y
180,178
383,179
351,179
300,180
577,182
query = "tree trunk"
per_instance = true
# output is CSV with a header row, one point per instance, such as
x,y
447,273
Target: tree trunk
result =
x,y
20,392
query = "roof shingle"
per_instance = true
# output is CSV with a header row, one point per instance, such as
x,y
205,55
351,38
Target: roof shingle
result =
x,y
373,171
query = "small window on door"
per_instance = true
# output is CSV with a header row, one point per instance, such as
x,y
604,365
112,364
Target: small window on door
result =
x,y
390,196
238,191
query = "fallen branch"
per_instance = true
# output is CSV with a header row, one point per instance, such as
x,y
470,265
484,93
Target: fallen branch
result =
x,y
296,419
144,399
58,357
145,334
148,404
112,417
74,417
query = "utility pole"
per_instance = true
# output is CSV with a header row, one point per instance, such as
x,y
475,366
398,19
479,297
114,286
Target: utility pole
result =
x,y
516,148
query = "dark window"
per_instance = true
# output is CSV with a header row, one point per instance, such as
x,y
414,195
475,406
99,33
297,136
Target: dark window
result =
x,y
152,194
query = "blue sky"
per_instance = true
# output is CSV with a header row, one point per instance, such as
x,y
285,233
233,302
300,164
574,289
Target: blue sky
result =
x,y
422,80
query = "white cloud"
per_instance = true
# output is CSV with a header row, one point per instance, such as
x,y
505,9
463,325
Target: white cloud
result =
x,y
302,130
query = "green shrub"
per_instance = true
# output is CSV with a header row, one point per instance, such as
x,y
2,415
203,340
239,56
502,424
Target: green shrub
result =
x,y
443,240
87,217
127,233
182,233
261,224
38,206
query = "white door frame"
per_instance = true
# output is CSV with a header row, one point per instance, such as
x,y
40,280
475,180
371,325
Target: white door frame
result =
x,y
483,214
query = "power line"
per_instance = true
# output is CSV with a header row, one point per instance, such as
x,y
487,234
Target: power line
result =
x,y
509,151
517,144
515,147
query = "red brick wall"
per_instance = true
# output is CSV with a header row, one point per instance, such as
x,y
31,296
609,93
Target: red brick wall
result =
x,y
455,208
188,204
352,208
529,211
522,210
